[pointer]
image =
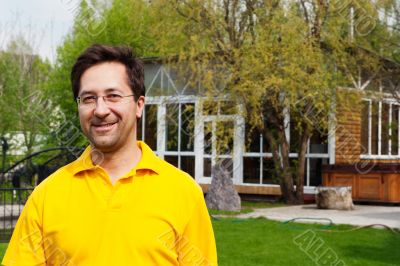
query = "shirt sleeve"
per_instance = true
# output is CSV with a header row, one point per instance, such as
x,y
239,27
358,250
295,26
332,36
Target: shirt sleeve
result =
x,y
197,243
26,246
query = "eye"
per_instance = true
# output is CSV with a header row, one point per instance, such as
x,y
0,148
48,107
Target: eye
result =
x,y
113,97
88,99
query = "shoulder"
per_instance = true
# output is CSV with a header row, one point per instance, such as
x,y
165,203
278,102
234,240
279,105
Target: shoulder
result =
x,y
58,176
178,180
54,183
175,174
169,176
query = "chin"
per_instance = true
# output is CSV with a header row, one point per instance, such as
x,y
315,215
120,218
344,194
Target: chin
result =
x,y
104,146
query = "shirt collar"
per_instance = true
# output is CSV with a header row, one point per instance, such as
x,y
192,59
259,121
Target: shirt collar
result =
x,y
148,161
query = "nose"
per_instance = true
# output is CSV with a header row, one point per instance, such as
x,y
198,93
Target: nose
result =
x,y
101,109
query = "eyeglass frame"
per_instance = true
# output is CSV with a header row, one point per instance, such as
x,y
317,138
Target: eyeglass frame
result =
x,y
96,98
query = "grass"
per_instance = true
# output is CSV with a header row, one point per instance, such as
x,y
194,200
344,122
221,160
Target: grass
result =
x,y
260,204
3,247
247,207
263,242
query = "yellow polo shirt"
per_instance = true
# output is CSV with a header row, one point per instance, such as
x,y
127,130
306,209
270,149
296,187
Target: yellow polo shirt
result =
x,y
153,215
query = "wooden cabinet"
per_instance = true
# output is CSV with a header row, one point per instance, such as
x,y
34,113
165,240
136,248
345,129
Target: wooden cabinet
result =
x,y
381,183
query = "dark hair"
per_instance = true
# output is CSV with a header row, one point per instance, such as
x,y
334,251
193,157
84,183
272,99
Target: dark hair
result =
x,y
97,54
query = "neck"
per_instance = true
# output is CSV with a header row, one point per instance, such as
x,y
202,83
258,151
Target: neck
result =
x,y
121,161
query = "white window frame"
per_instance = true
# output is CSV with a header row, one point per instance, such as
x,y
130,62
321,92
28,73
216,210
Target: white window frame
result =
x,y
261,155
239,135
381,156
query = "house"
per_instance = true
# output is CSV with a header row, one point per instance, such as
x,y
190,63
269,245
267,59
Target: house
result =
x,y
367,147
185,136
176,126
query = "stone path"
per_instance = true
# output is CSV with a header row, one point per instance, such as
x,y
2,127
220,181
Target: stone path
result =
x,y
362,215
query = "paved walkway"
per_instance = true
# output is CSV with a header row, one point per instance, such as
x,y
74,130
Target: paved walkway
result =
x,y
361,215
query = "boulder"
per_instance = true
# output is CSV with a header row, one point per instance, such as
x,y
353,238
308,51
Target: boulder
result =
x,y
338,198
221,193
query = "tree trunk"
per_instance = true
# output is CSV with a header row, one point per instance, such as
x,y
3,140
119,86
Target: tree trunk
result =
x,y
287,189
280,152
301,165
287,185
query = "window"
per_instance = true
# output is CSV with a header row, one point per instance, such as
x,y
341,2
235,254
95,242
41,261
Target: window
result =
x,y
251,170
315,173
179,136
259,167
364,127
319,143
172,127
379,129
253,140
269,176
394,127
218,145
150,126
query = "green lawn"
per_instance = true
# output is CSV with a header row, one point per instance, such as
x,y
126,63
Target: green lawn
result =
x,y
263,242
3,247
248,207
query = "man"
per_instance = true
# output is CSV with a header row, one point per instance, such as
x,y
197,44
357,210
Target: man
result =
x,y
118,203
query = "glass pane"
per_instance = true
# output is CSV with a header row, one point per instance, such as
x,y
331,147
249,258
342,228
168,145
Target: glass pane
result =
x,y
150,134
172,112
374,130
224,137
227,108
187,127
318,143
210,108
385,129
187,165
252,139
207,137
251,170
373,85
181,79
152,79
364,127
315,170
172,159
269,175
168,83
395,129
294,137
265,144
207,167
305,170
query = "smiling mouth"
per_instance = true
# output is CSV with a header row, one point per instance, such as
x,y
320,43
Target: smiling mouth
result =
x,y
104,126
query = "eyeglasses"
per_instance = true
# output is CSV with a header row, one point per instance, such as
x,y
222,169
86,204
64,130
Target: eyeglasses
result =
x,y
90,101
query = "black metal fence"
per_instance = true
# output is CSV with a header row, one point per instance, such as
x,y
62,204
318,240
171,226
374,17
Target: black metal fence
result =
x,y
18,180
12,201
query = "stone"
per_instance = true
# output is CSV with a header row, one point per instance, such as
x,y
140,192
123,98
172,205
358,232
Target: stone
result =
x,y
221,193
338,198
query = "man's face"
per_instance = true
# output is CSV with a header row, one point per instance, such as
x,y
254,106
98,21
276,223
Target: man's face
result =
x,y
109,126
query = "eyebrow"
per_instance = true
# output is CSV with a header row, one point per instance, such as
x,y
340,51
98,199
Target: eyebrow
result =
x,y
106,91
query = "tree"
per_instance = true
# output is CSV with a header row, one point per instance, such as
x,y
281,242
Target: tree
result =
x,y
22,75
276,58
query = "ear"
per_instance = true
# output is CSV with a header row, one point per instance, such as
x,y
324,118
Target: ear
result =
x,y
139,107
